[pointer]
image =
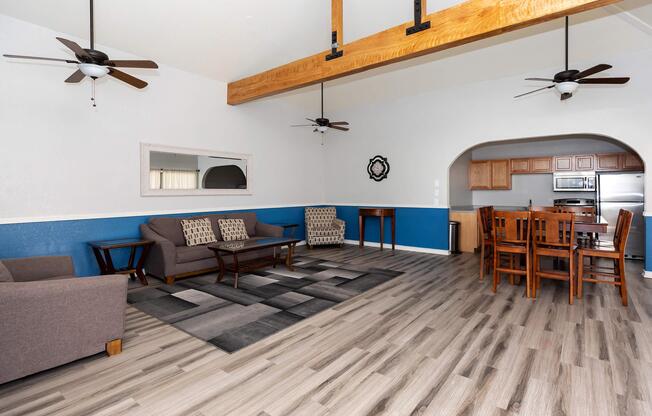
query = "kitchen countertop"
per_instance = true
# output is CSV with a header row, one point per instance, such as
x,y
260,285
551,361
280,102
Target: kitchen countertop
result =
x,y
463,208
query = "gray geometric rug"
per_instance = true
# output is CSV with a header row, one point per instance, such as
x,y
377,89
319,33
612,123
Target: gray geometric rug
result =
x,y
265,301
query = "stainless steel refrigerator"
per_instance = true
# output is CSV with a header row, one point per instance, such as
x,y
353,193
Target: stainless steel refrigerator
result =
x,y
623,190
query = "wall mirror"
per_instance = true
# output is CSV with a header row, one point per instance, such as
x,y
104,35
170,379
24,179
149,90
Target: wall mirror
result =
x,y
169,171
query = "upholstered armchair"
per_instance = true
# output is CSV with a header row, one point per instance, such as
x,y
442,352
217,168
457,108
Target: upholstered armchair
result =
x,y
323,227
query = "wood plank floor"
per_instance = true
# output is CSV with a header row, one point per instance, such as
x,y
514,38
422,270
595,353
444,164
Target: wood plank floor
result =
x,y
434,341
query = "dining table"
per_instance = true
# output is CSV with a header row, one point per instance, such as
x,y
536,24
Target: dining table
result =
x,y
597,225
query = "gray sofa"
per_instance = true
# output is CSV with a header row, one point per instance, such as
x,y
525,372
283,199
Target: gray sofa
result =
x,y
171,259
49,317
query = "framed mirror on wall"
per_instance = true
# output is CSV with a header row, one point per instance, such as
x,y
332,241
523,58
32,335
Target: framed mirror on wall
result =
x,y
178,171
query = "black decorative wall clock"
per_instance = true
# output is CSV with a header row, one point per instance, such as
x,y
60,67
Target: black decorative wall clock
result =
x,y
378,168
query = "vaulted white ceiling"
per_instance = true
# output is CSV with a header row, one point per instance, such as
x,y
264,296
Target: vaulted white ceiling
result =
x,y
229,39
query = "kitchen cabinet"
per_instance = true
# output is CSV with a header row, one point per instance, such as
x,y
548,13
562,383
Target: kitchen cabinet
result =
x,y
520,165
541,165
608,161
563,163
480,174
583,163
631,162
468,232
501,177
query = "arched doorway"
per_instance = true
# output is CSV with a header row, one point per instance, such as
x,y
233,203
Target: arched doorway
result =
x,y
514,174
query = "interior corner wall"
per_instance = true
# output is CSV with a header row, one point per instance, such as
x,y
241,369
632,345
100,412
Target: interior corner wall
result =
x,y
61,159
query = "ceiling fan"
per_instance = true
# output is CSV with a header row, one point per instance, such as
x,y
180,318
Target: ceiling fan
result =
x,y
567,82
322,124
96,64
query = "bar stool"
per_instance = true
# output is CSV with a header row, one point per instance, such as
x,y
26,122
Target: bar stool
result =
x,y
616,253
511,235
485,215
553,235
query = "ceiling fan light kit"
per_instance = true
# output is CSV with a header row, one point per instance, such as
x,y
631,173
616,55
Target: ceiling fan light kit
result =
x,y
95,64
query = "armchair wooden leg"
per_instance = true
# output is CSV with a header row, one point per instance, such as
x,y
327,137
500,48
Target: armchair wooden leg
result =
x,y
114,347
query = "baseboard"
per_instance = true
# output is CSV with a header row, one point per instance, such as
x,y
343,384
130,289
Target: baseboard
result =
x,y
647,274
399,247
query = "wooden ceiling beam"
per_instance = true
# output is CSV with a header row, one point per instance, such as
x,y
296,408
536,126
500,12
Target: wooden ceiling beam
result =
x,y
464,23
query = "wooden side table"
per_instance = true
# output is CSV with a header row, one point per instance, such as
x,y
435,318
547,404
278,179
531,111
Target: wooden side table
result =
x,y
102,251
382,213
290,227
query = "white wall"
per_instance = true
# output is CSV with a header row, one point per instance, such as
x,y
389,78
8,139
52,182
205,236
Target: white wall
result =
x,y
423,133
62,158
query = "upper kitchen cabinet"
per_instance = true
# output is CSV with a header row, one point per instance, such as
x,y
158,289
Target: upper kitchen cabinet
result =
x,y
541,165
608,161
631,161
563,163
520,165
501,177
480,174
583,163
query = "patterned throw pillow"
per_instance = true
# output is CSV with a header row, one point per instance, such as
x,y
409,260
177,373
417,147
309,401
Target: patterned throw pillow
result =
x,y
233,229
198,232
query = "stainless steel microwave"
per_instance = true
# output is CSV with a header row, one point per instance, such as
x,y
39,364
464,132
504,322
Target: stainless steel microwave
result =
x,y
574,182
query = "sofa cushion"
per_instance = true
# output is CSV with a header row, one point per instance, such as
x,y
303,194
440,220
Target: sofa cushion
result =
x,y
5,274
190,254
249,219
198,232
324,232
233,229
170,228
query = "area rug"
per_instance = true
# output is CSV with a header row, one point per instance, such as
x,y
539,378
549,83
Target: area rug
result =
x,y
264,303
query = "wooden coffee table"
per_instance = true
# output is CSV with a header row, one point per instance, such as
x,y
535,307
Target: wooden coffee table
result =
x,y
235,248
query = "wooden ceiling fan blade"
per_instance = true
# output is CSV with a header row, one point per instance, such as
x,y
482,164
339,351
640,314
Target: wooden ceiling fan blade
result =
x,y
124,77
77,76
615,80
338,128
309,119
78,50
40,58
131,64
533,91
592,70
303,125
339,123
540,79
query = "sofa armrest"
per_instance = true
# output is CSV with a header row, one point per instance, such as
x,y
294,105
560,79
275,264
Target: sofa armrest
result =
x,y
338,223
162,258
39,268
268,230
49,323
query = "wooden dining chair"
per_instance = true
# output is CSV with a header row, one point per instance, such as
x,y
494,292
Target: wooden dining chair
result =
x,y
582,214
511,235
485,215
553,235
596,273
543,209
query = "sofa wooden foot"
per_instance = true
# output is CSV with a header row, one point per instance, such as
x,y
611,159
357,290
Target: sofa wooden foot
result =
x,y
114,347
169,280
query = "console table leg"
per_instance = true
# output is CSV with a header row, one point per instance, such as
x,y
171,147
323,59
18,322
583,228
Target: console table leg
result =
x,y
393,233
382,231
361,220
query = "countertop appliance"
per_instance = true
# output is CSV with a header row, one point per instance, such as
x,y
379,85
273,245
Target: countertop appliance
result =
x,y
575,202
623,190
573,181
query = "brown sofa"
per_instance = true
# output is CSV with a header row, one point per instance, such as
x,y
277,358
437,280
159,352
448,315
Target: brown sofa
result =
x,y
49,317
171,259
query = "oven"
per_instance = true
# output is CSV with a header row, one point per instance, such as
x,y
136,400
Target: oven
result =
x,y
574,182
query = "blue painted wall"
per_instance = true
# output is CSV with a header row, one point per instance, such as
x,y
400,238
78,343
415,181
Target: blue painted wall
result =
x,y
71,237
415,227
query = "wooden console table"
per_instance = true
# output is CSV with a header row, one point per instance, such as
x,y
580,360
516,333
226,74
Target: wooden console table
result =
x,y
382,213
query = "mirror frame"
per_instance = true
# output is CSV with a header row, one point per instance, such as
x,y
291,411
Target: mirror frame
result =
x,y
147,148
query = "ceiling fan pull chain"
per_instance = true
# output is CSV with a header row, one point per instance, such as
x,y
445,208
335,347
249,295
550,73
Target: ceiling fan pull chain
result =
x,y
93,95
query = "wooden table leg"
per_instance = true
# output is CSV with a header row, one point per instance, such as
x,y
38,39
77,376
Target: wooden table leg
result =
x,y
393,232
110,269
382,231
220,263
361,231
288,258
236,270
130,263
100,260
141,263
